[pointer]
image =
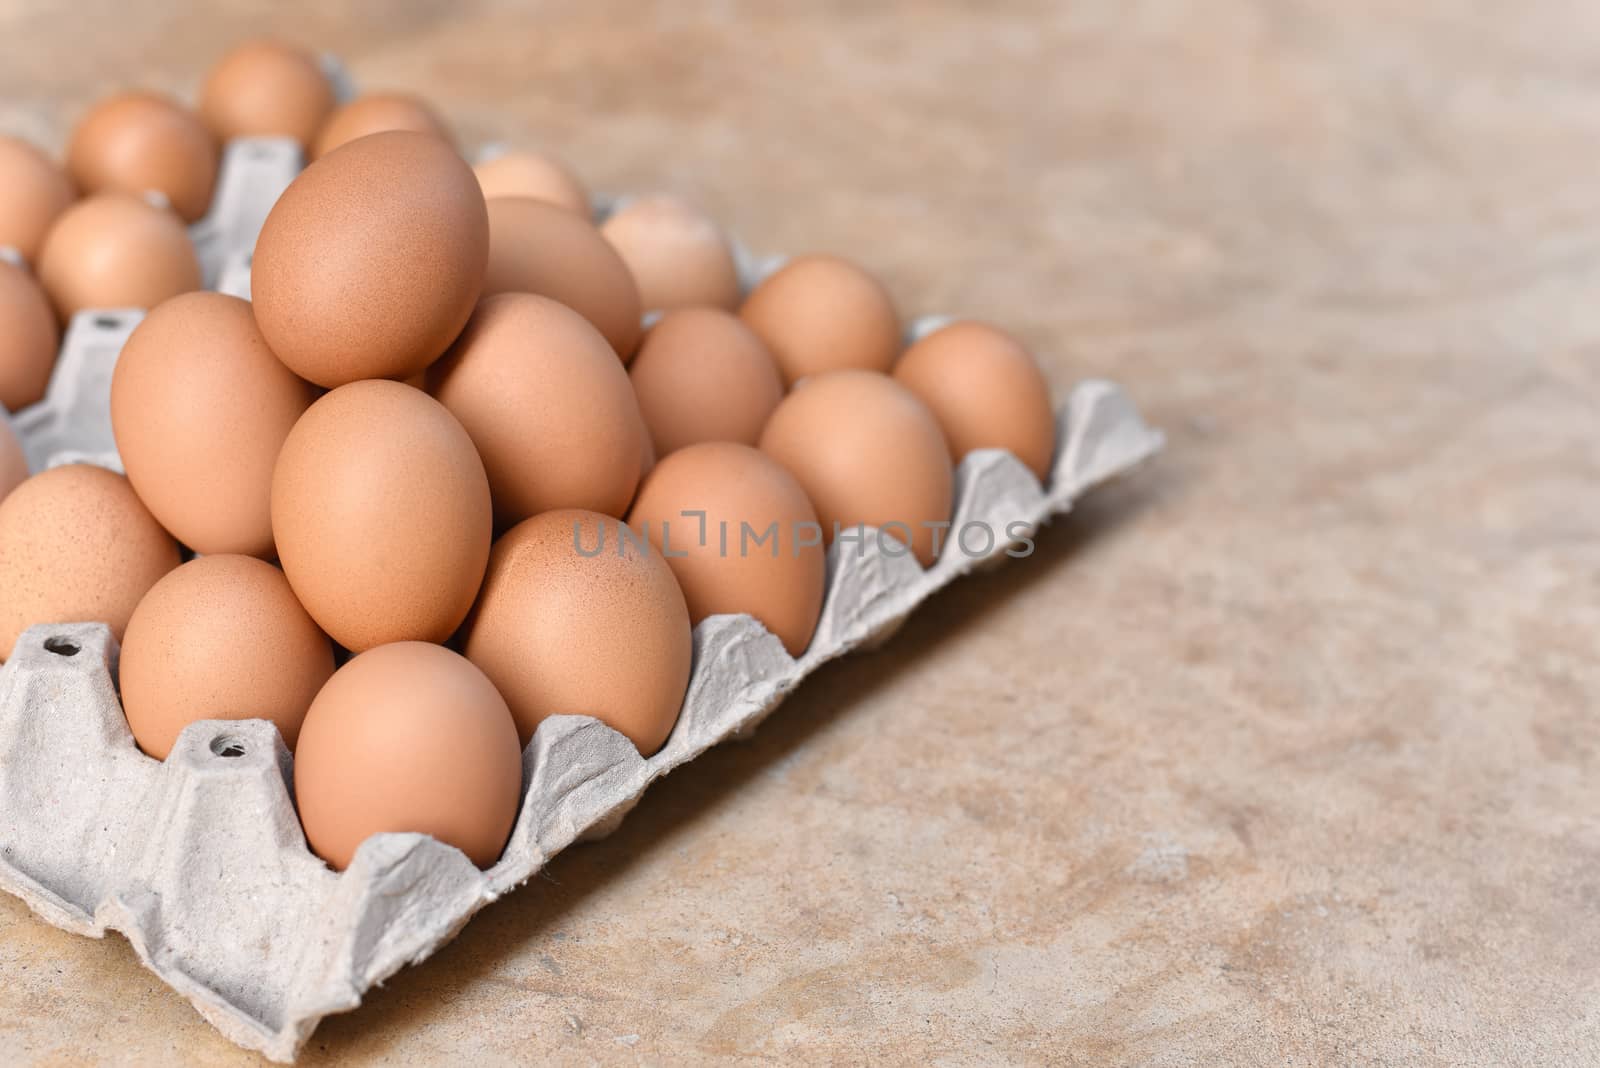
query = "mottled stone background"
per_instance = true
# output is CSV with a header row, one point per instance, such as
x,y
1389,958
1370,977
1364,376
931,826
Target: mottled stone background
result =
x,y
1282,751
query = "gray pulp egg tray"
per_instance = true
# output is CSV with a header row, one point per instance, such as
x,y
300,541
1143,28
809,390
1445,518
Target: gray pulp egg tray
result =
x,y
199,860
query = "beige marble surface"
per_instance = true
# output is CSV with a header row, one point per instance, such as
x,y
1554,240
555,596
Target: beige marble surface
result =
x,y
1284,751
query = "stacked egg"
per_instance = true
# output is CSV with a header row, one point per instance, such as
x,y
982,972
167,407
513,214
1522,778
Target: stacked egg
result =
x,y
465,461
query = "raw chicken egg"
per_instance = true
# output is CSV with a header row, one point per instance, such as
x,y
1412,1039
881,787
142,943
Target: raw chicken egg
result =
x,y
536,247
200,408
647,455
33,192
29,339
115,250
408,737
867,452
678,256
822,313
547,405
76,546
702,375
381,515
985,390
13,461
370,263
533,174
266,89
577,619
139,142
740,535
221,637
378,113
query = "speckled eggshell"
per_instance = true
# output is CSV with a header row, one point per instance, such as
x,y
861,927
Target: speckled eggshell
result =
x,y
370,263
533,174
33,192
76,546
29,338
822,313
381,514
547,405
986,391
221,637
200,408
679,257
266,88
762,550
866,451
604,635
702,375
138,142
13,461
536,247
115,250
408,737
379,113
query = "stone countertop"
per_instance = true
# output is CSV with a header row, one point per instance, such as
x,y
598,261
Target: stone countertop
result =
x,y
1282,751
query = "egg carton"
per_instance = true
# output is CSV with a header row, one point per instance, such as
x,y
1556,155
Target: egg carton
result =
x,y
254,172
199,860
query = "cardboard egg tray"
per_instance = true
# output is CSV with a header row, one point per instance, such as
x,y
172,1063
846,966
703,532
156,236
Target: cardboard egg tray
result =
x,y
199,860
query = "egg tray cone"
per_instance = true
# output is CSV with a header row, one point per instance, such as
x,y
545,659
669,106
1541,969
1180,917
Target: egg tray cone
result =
x,y
199,860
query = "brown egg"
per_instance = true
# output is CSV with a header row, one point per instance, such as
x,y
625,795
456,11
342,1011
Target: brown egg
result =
x,y
678,256
702,375
548,407
408,738
29,339
137,142
985,390
822,313
647,457
758,547
371,261
221,637
381,514
13,461
266,88
76,546
378,113
866,451
114,250
535,247
36,191
200,408
533,174
575,619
